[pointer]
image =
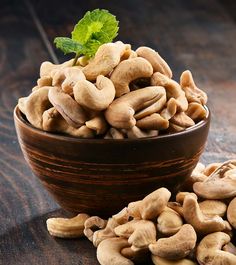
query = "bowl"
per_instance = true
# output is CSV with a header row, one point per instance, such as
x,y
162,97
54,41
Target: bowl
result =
x,y
101,176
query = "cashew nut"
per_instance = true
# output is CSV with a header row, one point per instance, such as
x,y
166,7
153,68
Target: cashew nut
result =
x,y
97,97
98,124
153,122
122,217
161,261
169,222
133,209
44,81
35,105
72,76
201,223
198,174
152,205
92,224
140,233
173,89
221,184
21,104
230,247
49,69
157,62
135,132
213,207
127,71
170,110
70,110
196,111
177,207
231,213
120,114
67,227
192,92
116,134
209,250
155,107
177,246
107,232
175,128
139,256
109,252
182,120
54,122
106,59
180,196
211,168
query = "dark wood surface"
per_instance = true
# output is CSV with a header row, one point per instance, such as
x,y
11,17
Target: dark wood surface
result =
x,y
197,35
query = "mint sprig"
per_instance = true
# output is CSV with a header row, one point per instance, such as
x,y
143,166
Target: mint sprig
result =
x,y
94,29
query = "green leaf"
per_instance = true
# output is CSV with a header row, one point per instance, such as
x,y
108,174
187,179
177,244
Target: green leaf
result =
x,y
97,25
94,29
67,45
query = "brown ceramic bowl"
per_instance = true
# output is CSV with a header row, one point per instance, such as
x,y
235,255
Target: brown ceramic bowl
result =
x,y
98,176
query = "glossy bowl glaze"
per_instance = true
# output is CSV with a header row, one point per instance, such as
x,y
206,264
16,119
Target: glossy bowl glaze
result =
x,y
98,176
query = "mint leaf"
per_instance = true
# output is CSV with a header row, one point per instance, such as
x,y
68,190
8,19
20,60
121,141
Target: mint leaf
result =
x,y
94,29
97,25
67,45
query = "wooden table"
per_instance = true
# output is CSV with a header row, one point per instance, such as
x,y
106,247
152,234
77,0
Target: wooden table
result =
x,y
197,35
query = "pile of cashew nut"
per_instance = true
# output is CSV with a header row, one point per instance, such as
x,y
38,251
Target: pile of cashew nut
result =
x,y
197,228
120,93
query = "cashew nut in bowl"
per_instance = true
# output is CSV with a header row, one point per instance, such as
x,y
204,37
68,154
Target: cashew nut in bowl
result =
x,y
170,110
116,134
49,69
109,252
201,223
140,233
21,104
173,89
67,227
44,81
209,250
153,122
155,107
157,62
177,246
135,132
173,128
231,213
182,120
169,222
72,76
106,59
127,71
35,105
120,114
54,122
97,97
192,92
161,261
196,111
221,184
70,110
98,124
92,224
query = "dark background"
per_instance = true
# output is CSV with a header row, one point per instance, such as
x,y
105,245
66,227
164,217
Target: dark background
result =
x,y
198,35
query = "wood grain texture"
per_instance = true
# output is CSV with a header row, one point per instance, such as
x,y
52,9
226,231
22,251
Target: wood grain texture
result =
x,y
197,35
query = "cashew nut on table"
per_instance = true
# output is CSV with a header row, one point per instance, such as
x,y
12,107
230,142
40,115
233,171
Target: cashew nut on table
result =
x,y
194,229
120,93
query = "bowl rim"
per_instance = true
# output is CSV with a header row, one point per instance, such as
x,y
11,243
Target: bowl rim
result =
x,y
18,116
